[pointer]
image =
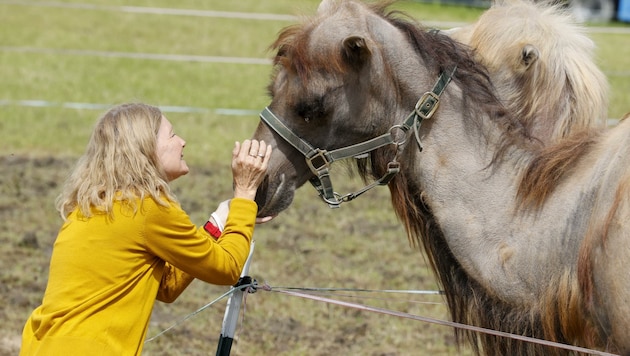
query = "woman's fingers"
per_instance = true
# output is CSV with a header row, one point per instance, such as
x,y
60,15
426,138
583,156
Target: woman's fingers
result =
x,y
264,219
249,165
251,148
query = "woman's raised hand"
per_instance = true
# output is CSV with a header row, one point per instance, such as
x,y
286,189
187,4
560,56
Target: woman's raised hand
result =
x,y
249,165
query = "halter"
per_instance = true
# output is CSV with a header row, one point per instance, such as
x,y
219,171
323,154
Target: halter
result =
x,y
319,160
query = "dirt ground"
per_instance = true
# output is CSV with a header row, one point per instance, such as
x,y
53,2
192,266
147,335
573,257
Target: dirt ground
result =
x,y
28,226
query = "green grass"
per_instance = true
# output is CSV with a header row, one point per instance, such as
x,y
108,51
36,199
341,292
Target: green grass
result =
x,y
142,33
111,80
613,54
361,245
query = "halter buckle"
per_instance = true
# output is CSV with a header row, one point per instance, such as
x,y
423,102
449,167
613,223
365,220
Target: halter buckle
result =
x,y
426,106
317,160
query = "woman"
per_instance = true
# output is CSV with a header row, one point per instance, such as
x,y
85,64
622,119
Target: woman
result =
x,y
126,241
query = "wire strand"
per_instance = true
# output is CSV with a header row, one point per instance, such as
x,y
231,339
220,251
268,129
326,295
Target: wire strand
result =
x,y
268,288
181,321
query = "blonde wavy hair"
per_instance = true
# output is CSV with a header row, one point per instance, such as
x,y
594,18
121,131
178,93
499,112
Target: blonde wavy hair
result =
x,y
120,164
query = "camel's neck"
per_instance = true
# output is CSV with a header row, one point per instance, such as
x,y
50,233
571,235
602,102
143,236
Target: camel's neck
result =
x,y
473,199
474,202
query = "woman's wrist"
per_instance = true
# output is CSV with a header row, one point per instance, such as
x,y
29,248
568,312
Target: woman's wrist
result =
x,y
245,194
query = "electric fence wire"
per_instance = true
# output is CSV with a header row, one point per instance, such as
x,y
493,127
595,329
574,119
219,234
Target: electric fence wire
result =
x,y
308,294
322,291
184,319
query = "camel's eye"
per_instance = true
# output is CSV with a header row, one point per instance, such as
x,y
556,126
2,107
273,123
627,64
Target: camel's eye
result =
x,y
310,110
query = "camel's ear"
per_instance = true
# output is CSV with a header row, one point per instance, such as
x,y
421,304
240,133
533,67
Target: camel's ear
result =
x,y
460,34
324,6
529,55
356,51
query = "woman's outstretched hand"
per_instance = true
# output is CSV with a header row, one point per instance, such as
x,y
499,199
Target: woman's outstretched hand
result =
x,y
249,165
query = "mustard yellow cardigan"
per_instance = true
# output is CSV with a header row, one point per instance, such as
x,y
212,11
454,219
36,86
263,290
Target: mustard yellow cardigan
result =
x,y
106,274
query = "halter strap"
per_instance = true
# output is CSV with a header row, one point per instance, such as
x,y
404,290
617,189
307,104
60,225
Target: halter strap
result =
x,y
319,160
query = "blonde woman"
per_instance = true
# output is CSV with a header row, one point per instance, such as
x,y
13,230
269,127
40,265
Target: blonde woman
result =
x,y
126,241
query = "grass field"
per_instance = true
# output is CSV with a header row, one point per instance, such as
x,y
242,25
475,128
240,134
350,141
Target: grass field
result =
x,y
63,63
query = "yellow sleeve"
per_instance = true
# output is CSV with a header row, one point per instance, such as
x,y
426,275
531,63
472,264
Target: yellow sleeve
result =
x,y
174,282
170,235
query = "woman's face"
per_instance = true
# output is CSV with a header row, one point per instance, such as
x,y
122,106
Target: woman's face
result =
x,y
170,148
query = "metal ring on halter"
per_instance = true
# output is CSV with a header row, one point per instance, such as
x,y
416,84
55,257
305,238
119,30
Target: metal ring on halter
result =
x,y
338,199
401,128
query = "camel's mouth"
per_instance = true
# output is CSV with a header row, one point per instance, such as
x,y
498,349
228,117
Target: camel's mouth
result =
x,y
274,198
